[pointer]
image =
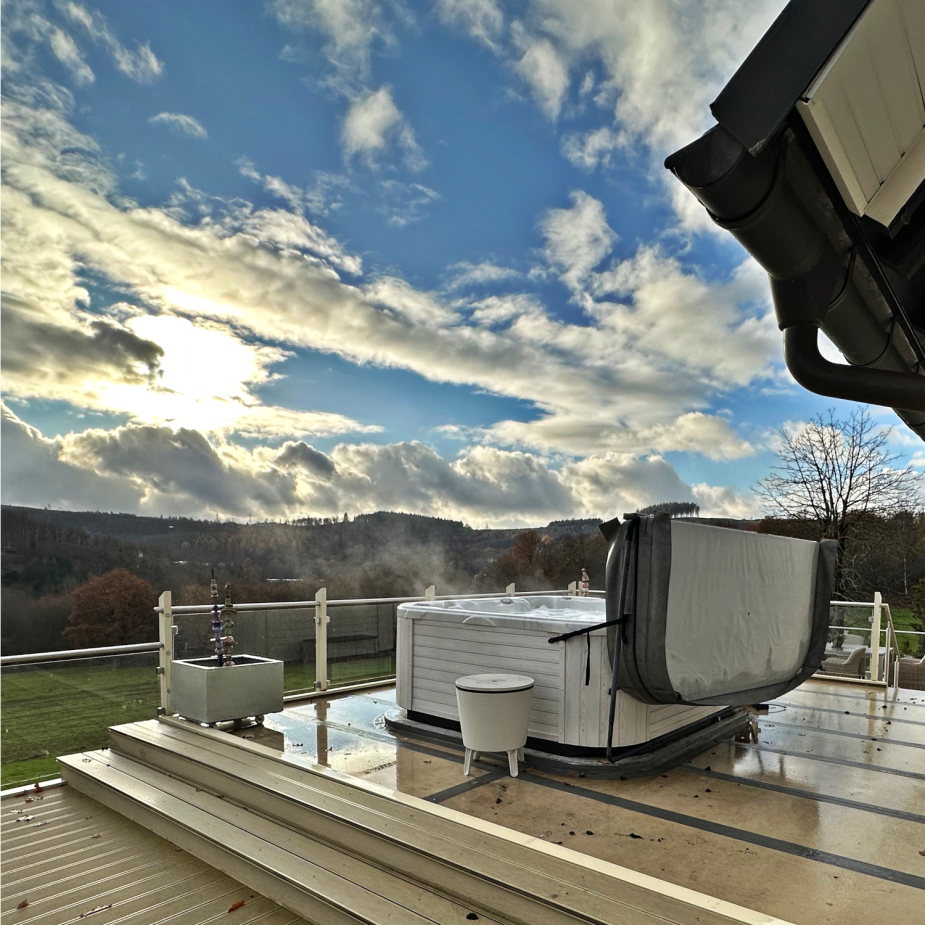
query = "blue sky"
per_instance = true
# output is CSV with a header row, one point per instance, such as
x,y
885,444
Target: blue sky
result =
x,y
307,256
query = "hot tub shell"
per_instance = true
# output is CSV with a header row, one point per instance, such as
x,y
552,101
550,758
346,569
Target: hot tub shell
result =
x,y
440,641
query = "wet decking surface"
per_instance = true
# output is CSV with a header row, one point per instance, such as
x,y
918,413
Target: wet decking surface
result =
x,y
67,858
821,821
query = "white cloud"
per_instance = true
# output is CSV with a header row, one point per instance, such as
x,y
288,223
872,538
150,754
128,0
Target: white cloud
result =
x,y
499,309
689,320
620,380
182,466
34,474
322,198
373,123
67,52
180,123
577,239
368,120
592,149
663,60
542,67
141,65
577,434
651,68
726,501
405,203
481,19
479,274
350,28
216,396
158,469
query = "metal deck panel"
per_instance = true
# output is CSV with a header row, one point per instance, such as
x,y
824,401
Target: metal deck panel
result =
x,y
74,855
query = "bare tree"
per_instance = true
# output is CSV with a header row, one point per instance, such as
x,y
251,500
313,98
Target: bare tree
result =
x,y
833,472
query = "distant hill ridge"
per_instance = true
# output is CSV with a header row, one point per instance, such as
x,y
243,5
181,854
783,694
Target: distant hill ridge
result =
x,y
140,525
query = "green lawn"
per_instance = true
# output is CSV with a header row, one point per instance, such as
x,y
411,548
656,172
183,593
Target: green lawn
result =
x,y
347,671
60,711
906,620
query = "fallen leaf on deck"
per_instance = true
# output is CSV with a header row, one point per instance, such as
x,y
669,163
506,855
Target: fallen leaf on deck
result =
x,y
26,819
100,835
38,787
83,915
23,904
922,853
236,905
40,823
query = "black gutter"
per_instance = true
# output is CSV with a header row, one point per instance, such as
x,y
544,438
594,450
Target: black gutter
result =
x,y
751,198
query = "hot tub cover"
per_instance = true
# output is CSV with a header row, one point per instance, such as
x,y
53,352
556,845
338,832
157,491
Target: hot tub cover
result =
x,y
715,615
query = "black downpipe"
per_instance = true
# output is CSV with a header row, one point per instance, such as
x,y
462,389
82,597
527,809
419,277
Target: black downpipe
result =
x,y
618,642
855,383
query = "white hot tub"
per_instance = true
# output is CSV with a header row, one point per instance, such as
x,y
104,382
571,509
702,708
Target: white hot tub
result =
x,y
440,641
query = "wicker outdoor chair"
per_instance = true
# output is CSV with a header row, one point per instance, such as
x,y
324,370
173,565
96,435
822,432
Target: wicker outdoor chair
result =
x,y
850,667
912,673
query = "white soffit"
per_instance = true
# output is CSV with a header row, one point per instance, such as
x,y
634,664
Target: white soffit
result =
x,y
866,109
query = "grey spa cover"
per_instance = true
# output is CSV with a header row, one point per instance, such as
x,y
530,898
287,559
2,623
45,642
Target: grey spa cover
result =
x,y
713,615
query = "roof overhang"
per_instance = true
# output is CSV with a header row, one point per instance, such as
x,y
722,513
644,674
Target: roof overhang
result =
x,y
817,167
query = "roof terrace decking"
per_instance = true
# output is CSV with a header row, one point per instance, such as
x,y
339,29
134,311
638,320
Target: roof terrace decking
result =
x,y
819,821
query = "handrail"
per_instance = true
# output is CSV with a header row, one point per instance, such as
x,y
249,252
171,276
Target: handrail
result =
x,y
268,605
65,654
867,604
870,629
357,602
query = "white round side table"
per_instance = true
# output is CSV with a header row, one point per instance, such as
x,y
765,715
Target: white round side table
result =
x,y
494,713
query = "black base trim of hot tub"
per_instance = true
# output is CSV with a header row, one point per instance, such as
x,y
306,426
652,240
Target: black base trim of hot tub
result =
x,y
654,757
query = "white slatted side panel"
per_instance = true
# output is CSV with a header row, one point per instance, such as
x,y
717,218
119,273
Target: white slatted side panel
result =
x,y
443,652
866,111
589,730
913,17
574,675
631,719
891,59
403,644
665,719
857,74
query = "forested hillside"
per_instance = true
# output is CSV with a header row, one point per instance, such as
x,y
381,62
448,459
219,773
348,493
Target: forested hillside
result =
x,y
48,554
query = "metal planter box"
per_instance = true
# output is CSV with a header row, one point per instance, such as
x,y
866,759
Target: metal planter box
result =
x,y
201,691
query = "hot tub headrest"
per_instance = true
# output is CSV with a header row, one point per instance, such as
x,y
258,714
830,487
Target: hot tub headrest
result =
x,y
714,615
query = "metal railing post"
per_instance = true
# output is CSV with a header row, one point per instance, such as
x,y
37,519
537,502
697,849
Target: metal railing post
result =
x,y
510,590
165,655
321,640
875,639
